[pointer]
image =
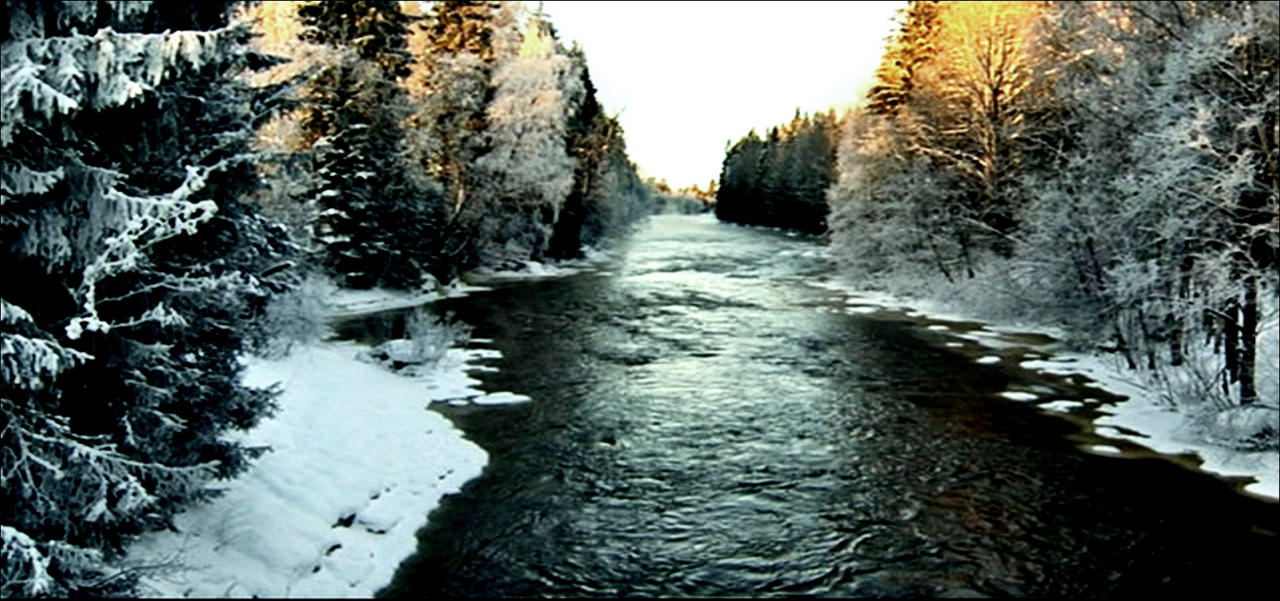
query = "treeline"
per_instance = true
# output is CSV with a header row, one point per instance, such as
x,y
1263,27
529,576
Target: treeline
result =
x,y
1110,166
172,170
689,200
434,144
781,180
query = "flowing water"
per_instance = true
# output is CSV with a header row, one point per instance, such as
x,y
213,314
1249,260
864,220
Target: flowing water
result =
x,y
705,423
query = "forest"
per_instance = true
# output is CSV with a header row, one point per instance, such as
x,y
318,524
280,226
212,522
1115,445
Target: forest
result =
x,y
179,179
175,173
1107,167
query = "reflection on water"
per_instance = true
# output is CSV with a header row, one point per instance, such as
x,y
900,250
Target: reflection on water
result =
x,y
703,424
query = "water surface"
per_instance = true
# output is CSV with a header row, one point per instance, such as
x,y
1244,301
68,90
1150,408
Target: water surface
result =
x,y
706,424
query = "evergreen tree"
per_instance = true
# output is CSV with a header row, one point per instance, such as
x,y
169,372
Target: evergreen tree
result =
x,y
779,181
141,274
455,50
459,26
588,132
908,49
378,224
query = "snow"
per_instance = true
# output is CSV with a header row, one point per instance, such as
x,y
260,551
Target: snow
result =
x,y
987,360
1019,396
593,260
529,269
1103,449
346,302
500,398
352,444
1061,406
1142,418
355,466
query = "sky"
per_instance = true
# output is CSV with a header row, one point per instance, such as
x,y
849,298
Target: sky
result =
x,y
690,76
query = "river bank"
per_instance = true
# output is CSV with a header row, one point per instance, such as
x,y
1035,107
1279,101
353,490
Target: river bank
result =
x,y
354,464
1143,418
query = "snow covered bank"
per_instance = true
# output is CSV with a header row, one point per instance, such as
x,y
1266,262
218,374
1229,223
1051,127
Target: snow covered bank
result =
x,y
1141,419
1159,427
345,302
356,464
592,260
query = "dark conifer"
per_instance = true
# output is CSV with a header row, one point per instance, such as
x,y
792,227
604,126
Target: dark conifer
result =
x,y
378,225
125,161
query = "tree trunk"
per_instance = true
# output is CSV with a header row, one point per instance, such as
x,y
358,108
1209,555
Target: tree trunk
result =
x,y
1177,346
1123,347
964,252
1249,341
1231,346
933,246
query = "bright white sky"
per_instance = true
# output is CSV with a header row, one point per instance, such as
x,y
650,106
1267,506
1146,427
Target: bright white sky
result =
x,y
689,76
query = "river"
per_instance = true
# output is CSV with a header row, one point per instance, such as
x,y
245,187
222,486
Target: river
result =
x,y
705,423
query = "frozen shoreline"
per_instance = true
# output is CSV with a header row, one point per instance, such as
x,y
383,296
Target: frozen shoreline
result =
x,y
356,464
1158,427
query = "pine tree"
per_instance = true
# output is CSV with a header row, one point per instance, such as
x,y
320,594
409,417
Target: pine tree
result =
x,y
588,133
780,181
909,48
379,225
141,273
453,62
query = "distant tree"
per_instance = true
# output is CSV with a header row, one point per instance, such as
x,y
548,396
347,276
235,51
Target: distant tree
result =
x,y
779,181
738,177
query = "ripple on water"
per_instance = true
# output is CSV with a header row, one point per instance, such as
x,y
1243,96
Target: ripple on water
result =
x,y
697,428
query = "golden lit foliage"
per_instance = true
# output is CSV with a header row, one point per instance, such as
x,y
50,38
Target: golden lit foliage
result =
x,y
961,80
278,29
984,53
418,42
538,42
278,32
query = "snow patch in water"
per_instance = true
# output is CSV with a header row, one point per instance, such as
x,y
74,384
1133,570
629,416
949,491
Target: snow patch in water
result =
x,y
1061,406
501,398
1109,432
1019,396
1103,449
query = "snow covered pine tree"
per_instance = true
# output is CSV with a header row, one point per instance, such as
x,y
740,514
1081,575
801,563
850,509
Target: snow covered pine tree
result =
x,y
132,276
379,226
